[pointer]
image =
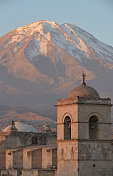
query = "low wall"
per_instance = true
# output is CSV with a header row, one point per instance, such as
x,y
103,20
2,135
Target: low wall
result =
x,y
28,172
9,172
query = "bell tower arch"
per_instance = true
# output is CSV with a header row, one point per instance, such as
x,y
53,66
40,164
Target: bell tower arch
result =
x,y
84,145
67,128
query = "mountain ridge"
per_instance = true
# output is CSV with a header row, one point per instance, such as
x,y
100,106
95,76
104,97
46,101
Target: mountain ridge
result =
x,y
42,61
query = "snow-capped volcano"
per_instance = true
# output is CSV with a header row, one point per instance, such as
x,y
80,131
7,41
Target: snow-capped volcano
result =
x,y
45,58
70,38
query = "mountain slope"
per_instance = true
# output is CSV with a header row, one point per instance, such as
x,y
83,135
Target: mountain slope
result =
x,y
43,61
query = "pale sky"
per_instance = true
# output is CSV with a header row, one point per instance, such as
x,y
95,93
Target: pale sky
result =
x,y
94,16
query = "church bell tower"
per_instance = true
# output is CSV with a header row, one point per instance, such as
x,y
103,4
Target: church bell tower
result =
x,y
84,146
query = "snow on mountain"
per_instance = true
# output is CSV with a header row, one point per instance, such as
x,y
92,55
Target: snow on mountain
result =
x,y
45,58
70,38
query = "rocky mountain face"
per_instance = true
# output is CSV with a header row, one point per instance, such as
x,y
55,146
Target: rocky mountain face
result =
x,y
43,61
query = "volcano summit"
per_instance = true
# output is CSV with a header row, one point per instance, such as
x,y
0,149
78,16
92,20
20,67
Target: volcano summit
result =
x,y
43,61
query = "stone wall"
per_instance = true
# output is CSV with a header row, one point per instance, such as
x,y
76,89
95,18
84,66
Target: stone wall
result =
x,y
93,150
54,157
22,139
27,159
9,159
67,158
37,158
95,158
95,168
14,159
32,157
46,173
18,159
31,172
9,172
46,157
2,156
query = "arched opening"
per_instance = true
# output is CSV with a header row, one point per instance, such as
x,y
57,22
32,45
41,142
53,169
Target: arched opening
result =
x,y
67,128
93,127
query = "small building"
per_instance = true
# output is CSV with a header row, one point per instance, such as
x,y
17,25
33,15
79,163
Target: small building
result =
x,y
20,135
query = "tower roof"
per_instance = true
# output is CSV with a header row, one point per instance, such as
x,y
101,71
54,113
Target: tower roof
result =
x,y
83,91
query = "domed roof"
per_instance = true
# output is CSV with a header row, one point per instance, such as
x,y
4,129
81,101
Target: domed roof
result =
x,y
84,91
21,127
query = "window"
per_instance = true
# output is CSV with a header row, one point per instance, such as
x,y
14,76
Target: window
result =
x,y
67,128
93,127
34,140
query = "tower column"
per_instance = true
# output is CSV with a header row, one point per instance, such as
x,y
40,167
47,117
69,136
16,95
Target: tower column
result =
x,y
84,145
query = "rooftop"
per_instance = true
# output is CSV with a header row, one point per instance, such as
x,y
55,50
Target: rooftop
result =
x,y
84,91
20,127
